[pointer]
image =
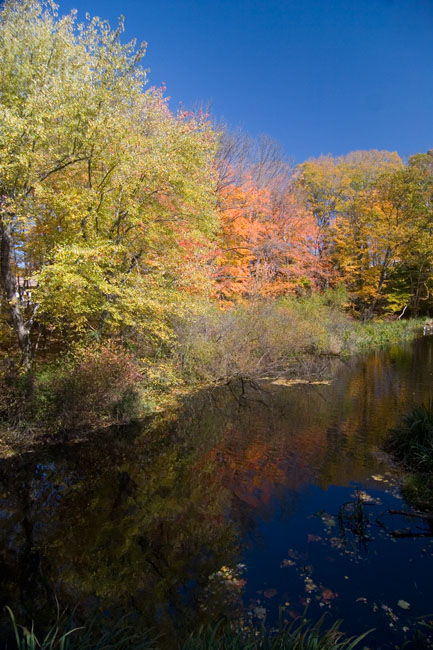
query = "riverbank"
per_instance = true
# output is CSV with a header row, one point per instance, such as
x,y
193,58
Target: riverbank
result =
x,y
96,385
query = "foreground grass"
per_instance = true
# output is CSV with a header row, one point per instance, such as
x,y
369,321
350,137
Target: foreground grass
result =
x,y
299,636
412,443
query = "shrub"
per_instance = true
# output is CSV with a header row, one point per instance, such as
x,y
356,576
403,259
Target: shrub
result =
x,y
87,388
254,339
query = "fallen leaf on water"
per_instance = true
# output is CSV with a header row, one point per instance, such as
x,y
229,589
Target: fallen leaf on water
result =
x,y
336,542
389,611
328,595
328,520
403,604
363,496
260,612
309,585
270,593
314,538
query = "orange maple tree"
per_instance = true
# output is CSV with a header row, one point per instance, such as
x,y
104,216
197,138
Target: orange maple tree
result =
x,y
268,243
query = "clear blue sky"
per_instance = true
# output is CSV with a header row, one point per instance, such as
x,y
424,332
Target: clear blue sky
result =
x,y
319,76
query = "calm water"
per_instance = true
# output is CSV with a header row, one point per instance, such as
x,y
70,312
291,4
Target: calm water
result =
x,y
250,501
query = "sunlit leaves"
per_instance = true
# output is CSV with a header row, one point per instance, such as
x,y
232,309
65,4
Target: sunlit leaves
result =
x,y
104,186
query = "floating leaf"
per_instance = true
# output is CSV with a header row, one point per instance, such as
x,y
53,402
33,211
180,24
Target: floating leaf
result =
x,y
260,612
403,604
328,594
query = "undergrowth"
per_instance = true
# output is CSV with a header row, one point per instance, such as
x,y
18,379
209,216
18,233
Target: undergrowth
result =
x,y
288,335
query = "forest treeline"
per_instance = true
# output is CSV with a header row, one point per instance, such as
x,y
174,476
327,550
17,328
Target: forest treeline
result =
x,y
132,235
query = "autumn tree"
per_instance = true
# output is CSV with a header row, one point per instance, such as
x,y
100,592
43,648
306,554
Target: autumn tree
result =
x,y
268,238
357,210
99,182
410,283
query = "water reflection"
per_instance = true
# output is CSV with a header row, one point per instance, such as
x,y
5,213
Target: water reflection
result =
x,y
251,496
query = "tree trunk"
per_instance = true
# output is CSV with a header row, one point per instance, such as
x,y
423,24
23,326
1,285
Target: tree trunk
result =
x,y
10,288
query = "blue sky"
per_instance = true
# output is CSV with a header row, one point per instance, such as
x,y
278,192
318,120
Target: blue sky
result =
x,y
319,76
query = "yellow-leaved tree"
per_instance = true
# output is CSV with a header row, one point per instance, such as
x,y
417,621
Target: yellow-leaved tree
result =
x,y
100,184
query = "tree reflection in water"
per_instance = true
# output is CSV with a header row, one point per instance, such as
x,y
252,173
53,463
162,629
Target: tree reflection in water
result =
x,y
156,521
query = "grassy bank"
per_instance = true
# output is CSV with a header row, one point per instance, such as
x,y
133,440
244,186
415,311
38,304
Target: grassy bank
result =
x,y
96,384
412,443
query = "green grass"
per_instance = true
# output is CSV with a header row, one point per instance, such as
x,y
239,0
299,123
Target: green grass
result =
x,y
63,635
383,333
300,635
411,442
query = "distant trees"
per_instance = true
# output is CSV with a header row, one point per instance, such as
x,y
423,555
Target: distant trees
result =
x,y
363,220
374,217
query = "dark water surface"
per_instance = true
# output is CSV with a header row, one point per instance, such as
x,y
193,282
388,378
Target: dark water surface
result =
x,y
249,501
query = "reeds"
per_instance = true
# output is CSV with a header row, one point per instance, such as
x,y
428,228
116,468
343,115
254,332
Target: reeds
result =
x,y
300,635
64,636
412,440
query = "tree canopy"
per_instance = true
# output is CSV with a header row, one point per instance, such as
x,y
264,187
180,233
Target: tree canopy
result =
x,y
101,185
115,212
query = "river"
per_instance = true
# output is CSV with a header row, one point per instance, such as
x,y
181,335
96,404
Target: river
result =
x,y
250,503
